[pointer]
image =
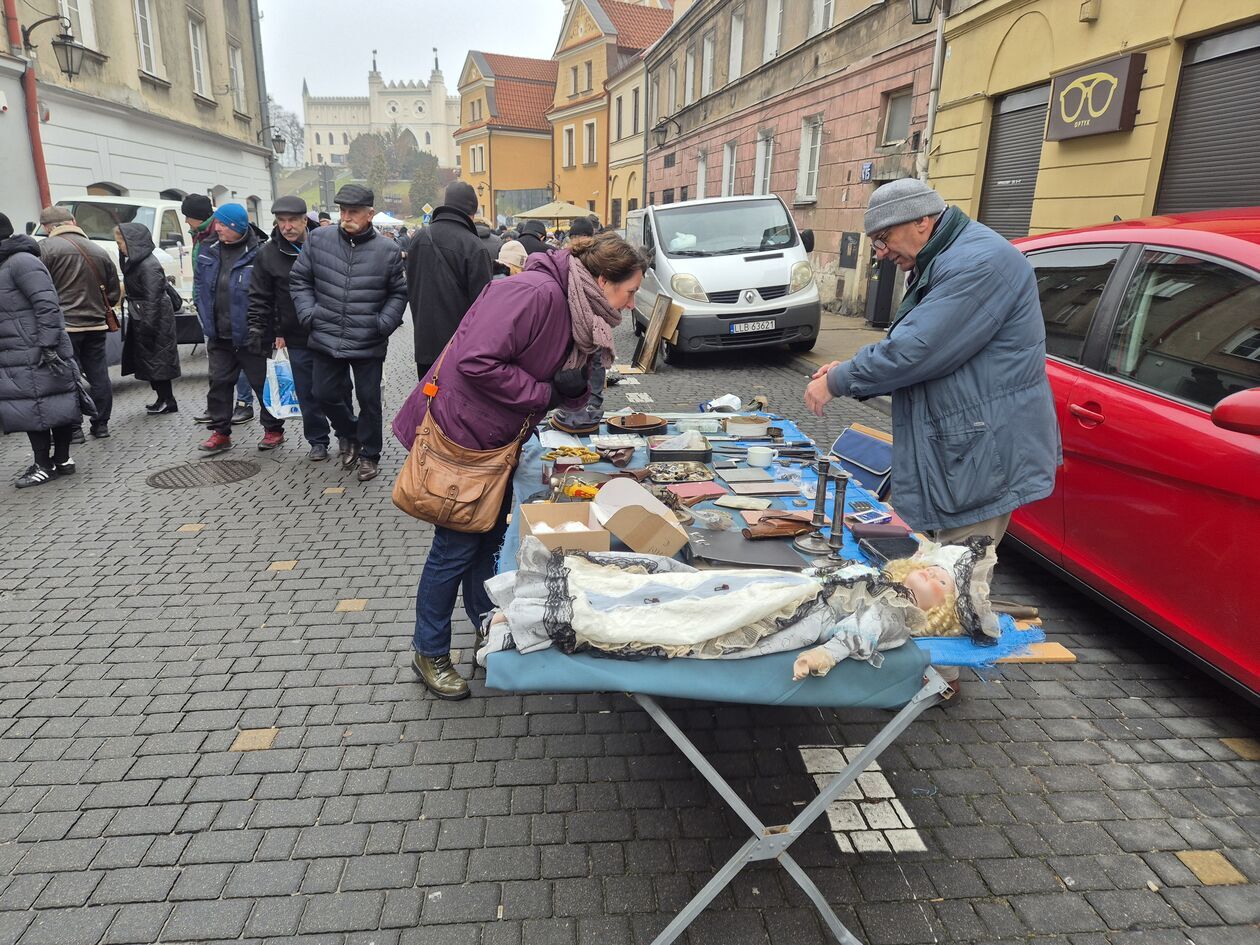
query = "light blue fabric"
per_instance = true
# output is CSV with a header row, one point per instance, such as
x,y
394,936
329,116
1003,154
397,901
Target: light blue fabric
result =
x,y
763,680
960,651
974,428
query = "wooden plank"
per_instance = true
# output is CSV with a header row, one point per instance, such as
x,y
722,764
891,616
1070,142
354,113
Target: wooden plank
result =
x,y
1042,653
627,369
871,431
645,354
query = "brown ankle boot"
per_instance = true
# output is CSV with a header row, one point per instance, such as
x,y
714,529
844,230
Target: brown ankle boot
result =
x,y
439,676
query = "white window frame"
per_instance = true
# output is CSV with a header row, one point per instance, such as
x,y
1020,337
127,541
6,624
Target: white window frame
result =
x,y
198,50
729,155
673,88
568,153
148,37
708,53
763,170
773,39
807,165
689,76
821,15
82,19
619,109
590,73
702,173
657,114
735,57
236,72
573,79
590,143
635,98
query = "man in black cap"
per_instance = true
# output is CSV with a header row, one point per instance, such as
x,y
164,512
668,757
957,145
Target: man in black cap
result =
x,y
533,232
447,267
273,322
325,218
350,294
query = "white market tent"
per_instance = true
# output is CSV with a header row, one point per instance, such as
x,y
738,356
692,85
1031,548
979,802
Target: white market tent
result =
x,y
384,219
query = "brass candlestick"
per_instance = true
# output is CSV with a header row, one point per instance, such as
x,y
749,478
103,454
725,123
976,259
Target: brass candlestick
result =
x,y
835,540
813,542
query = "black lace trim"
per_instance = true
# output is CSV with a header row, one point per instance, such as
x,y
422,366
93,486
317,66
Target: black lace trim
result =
x,y
558,607
964,568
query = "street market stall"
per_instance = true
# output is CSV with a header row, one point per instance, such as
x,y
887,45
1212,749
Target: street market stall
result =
x,y
590,575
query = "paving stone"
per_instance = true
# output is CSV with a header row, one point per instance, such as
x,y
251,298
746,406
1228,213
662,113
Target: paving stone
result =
x,y
68,926
198,921
1057,913
1237,905
143,884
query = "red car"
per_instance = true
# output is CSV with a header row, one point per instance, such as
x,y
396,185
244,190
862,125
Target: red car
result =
x,y
1153,344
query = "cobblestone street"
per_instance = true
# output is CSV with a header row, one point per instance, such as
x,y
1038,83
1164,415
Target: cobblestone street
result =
x,y
1113,800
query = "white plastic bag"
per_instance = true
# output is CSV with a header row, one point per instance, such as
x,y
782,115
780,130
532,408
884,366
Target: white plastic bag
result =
x,y
279,392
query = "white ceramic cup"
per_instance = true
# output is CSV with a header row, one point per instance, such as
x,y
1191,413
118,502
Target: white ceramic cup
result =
x,y
761,455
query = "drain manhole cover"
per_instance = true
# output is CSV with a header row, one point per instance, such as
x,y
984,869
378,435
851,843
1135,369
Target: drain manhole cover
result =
x,y
196,475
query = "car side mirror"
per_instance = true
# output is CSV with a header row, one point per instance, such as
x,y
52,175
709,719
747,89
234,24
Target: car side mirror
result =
x,y
1239,412
169,243
807,240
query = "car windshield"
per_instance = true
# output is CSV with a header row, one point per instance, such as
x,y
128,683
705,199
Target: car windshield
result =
x,y
98,220
723,229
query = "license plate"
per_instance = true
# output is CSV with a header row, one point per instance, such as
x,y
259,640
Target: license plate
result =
x,y
766,324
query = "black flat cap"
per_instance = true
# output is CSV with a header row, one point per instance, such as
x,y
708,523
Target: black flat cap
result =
x,y
354,195
197,207
290,203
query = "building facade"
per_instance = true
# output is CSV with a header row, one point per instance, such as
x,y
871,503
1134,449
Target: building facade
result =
x,y
168,103
627,126
598,39
1057,114
504,138
422,110
818,102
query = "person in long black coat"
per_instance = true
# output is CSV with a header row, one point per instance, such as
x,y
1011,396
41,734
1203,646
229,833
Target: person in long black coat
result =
x,y
149,348
38,389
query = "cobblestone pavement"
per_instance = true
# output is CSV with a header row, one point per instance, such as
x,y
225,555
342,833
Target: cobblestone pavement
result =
x,y
142,629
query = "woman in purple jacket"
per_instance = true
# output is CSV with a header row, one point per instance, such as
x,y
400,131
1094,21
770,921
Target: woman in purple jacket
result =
x,y
526,345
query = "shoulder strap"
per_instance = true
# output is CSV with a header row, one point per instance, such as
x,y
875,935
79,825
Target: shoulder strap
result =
x,y
100,281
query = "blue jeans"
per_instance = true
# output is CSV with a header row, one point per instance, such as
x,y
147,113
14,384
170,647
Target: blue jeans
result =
x,y
244,393
456,560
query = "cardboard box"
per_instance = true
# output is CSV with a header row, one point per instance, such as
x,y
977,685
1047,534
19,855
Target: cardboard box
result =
x,y
593,537
638,518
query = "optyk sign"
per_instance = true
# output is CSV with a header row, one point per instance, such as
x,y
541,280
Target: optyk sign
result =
x,y
1095,99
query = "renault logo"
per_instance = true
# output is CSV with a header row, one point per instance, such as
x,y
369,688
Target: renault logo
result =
x,y
749,297
1087,94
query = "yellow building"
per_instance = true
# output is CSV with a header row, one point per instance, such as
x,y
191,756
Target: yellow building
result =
x,y
627,124
504,138
597,40
1063,113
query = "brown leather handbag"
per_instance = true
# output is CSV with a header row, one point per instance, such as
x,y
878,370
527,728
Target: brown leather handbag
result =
x,y
450,485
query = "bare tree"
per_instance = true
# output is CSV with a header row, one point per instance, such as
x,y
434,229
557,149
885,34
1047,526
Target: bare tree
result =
x,y
289,126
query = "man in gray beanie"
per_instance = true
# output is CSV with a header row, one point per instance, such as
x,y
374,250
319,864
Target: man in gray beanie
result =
x,y
447,267
974,429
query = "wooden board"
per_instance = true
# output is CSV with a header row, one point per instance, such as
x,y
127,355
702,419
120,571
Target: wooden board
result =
x,y
1043,653
627,369
764,488
745,474
871,431
649,345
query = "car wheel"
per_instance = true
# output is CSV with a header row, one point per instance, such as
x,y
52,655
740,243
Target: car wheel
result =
x,y
800,347
672,354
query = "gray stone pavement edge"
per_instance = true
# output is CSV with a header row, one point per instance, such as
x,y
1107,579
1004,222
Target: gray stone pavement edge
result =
x,y
1048,805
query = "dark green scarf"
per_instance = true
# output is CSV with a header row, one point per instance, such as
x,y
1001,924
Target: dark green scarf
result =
x,y
951,224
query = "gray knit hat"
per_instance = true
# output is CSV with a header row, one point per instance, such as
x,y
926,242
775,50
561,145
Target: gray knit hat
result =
x,y
901,201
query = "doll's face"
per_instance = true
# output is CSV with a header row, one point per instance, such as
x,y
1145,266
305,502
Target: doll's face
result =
x,y
929,586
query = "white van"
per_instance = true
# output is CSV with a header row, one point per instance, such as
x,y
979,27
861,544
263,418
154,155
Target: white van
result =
x,y
737,265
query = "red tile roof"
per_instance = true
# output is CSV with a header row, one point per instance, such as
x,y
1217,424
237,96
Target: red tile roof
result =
x,y
638,27
522,104
518,67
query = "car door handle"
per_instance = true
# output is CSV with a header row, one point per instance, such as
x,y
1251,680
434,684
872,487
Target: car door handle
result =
x,y
1085,413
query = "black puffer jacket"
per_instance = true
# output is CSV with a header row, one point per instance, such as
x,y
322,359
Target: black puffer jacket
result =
x,y
349,292
149,348
271,310
447,267
34,396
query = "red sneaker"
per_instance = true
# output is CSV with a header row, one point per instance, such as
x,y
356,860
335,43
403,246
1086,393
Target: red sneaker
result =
x,y
271,439
218,443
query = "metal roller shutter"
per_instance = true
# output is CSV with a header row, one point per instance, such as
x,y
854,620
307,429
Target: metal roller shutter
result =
x,y
1214,140
1010,169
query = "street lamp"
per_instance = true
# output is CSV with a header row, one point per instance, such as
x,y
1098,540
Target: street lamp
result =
x,y
922,11
481,188
661,131
68,51
278,141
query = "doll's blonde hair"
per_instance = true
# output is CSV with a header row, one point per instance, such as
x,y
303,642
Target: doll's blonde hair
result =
x,y
942,620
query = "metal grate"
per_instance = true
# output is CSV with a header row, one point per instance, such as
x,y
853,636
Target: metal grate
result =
x,y
771,292
206,473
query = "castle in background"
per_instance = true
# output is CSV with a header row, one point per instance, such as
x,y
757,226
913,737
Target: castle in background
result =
x,y
423,110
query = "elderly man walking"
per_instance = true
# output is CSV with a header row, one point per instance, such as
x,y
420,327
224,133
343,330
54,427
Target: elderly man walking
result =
x,y
87,285
350,294
974,429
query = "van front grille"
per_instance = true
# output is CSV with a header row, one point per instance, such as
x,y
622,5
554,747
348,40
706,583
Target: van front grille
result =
x,y
768,293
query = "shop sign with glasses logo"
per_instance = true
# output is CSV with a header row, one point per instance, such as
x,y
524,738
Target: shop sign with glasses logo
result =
x,y
1096,99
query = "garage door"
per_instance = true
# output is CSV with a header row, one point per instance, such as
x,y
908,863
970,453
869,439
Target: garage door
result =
x,y
1215,132
1010,168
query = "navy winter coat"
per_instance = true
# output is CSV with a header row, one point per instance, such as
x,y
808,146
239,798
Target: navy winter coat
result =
x,y
349,292
33,397
974,430
206,279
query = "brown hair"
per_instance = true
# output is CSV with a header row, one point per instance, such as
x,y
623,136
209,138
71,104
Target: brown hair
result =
x,y
608,255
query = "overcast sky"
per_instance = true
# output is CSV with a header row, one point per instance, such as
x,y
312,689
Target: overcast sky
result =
x,y
330,42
